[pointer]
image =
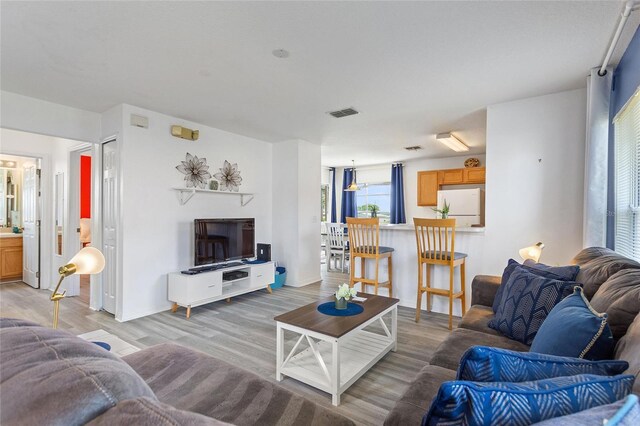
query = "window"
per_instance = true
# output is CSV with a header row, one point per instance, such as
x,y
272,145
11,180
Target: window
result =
x,y
627,179
324,203
374,197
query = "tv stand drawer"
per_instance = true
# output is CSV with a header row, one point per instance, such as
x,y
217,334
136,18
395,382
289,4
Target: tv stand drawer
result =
x,y
203,290
262,275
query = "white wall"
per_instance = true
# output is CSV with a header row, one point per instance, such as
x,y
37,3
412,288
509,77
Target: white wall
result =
x,y
55,157
19,112
296,219
308,214
535,175
157,231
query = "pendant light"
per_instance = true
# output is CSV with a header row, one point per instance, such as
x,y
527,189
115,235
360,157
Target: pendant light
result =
x,y
354,186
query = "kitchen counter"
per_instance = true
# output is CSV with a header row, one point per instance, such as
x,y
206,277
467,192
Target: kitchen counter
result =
x,y
469,240
10,235
410,227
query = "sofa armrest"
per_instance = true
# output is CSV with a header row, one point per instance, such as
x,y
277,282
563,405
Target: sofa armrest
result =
x,y
483,289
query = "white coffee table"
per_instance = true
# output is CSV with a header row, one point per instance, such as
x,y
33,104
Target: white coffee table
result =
x,y
339,351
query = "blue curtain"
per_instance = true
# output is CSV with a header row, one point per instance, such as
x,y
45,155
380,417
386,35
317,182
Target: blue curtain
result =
x,y
397,194
349,208
332,170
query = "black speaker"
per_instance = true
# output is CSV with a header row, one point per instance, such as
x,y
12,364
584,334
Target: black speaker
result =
x,y
264,252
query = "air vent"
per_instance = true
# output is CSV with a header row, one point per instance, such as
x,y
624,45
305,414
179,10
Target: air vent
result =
x,y
413,148
343,112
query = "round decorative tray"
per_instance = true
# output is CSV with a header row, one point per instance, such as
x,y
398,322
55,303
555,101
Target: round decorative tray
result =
x,y
471,162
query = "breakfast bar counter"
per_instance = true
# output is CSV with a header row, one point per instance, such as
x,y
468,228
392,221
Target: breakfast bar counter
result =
x,y
402,239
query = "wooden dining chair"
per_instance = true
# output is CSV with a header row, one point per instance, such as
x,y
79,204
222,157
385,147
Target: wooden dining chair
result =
x,y
336,244
364,243
435,240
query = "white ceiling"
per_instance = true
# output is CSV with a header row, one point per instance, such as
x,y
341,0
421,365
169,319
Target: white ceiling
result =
x,y
412,69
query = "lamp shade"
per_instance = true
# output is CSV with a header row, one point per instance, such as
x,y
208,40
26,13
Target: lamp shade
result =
x,y
532,252
89,260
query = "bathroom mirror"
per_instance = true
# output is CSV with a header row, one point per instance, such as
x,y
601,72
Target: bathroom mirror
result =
x,y
59,214
3,197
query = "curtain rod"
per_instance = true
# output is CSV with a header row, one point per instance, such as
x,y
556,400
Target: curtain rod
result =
x,y
372,166
629,7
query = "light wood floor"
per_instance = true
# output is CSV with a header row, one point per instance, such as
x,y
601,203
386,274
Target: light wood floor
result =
x,y
243,333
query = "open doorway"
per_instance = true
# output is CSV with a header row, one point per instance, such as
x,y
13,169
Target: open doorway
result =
x,y
80,189
20,211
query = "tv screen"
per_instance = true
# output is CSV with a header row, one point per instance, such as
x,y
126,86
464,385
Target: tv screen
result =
x,y
219,240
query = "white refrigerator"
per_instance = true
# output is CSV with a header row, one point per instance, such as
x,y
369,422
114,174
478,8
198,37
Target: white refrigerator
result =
x,y
465,205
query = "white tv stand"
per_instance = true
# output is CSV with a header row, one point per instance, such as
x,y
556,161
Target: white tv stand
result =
x,y
190,291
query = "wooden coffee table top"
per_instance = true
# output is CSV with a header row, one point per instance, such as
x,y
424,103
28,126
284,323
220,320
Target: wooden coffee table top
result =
x,y
309,318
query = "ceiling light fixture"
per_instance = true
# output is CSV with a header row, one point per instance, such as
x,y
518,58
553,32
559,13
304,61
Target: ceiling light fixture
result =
x,y
451,142
354,186
280,53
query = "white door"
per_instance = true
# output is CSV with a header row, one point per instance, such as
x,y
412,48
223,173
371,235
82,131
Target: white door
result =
x,y
109,224
31,223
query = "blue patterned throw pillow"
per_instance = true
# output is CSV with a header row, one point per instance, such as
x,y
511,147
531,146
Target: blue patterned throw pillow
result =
x,y
526,301
573,328
487,364
562,273
515,404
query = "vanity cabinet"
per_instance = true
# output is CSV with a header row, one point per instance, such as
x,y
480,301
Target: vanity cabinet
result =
x,y
11,258
430,181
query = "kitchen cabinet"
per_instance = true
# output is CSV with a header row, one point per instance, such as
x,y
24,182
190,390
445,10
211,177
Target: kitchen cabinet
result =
x,y
431,181
474,175
452,177
11,257
428,185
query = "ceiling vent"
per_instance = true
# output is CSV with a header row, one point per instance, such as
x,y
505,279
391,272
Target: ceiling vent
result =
x,y
343,112
413,148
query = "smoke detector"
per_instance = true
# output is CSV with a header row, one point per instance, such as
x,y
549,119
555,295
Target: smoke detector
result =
x,y
280,53
343,112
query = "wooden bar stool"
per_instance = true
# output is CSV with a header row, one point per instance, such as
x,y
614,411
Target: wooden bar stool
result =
x,y
435,239
364,242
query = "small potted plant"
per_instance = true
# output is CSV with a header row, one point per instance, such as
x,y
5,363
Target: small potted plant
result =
x,y
444,211
343,295
374,210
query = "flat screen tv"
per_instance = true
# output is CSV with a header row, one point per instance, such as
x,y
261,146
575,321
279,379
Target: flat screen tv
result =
x,y
220,240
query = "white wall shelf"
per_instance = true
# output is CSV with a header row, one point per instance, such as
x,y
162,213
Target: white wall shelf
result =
x,y
187,193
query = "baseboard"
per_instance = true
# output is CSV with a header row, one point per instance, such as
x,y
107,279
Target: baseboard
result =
x,y
145,313
304,282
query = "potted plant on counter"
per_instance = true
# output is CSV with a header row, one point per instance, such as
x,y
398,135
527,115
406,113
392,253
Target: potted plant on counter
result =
x,y
343,295
444,211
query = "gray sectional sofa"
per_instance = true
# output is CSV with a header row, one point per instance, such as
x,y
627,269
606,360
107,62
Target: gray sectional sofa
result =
x,y
611,282
55,378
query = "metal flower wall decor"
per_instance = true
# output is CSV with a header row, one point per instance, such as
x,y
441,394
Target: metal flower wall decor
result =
x,y
229,177
196,171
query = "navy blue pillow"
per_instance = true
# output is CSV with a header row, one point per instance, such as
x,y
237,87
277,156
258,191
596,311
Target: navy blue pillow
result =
x,y
488,364
503,403
526,301
573,328
562,273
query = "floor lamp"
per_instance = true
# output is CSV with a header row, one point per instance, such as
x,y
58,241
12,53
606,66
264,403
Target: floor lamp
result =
x,y
89,260
532,252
